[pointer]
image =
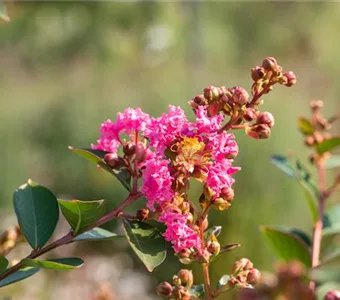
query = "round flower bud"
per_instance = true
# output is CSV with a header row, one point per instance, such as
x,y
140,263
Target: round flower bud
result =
x,y
253,276
221,204
211,93
129,148
164,289
270,64
260,131
213,109
112,160
257,73
142,214
332,295
291,78
214,248
140,152
250,114
265,118
227,194
240,96
186,277
241,265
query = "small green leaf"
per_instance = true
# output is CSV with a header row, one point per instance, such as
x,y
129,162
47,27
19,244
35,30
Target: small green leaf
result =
x,y
147,242
332,162
18,275
305,126
97,234
296,170
3,264
3,13
68,263
37,211
197,291
81,214
328,145
97,157
286,244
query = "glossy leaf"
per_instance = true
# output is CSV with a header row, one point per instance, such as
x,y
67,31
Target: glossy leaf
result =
x,y
37,211
68,263
3,264
328,145
332,162
305,126
97,234
81,214
19,275
296,170
197,291
147,242
286,244
3,13
97,157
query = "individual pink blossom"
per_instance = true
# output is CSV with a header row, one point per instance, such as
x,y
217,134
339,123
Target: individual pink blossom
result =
x,y
219,175
157,182
222,145
109,140
205,124
164,130
178,232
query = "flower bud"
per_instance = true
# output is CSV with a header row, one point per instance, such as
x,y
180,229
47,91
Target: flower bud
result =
x,y
184,253
221,204
240,96
253,276
214,248
265,118
140,152
211,93
164,289
129,148
291,78
197,101
213,109
186,277
142,214
241,265
309,141
260,131
227,194
332,295
257,73
176,280
112,160
250,114
270,64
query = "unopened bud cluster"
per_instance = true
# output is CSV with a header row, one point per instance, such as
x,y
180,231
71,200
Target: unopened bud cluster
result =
x,y
178,290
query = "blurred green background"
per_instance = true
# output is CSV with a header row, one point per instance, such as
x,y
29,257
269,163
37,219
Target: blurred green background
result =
x,y
66,67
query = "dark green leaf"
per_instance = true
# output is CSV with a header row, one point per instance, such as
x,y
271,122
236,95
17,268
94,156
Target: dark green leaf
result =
x,y
19,275
305,126
37,211
286,244
97,234
3,264
328,145
332,162
68,263
81,214
97,157
296,170
147,242
197,291
3,13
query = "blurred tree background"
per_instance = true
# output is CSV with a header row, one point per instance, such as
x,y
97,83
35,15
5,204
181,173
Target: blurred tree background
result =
x,y
68,66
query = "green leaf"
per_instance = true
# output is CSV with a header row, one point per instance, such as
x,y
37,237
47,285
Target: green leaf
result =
x,y
332,162
332,216
37,211
19,275
287,244
328,145
147,242
296,170
197,291
3,13
81,214
68,263
229,247
97,234
3,264
305,126
97,157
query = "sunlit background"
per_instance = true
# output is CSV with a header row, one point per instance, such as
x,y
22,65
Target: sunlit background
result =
x,y
66,67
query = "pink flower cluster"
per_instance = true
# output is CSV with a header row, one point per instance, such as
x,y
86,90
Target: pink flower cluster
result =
x,y
196,148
